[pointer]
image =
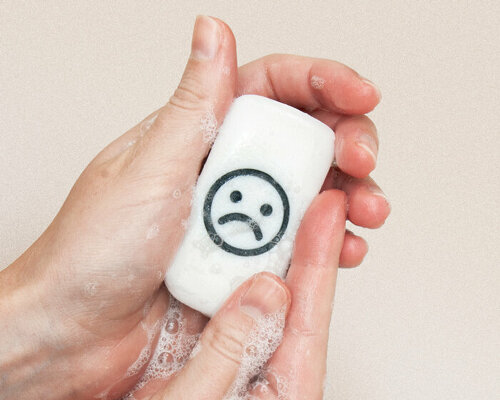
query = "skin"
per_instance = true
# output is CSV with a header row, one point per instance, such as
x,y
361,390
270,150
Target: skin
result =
x,y
76,305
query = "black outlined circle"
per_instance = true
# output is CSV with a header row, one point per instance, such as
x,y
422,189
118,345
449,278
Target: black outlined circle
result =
x,y
207,212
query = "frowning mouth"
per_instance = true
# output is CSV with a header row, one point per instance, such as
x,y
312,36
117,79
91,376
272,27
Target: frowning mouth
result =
x,y
243,218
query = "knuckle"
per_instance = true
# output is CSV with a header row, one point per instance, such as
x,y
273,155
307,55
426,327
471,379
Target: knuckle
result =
x,y
304,327
302,330
189,94
227,341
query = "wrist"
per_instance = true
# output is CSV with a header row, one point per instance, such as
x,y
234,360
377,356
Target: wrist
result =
x,y
32,345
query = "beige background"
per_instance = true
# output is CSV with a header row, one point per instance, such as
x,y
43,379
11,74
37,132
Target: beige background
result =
x,y
420,318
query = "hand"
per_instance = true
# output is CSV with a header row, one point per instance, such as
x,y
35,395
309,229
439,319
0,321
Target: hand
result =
x,y
97,271
241,337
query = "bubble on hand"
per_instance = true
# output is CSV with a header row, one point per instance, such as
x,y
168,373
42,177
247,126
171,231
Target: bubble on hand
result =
x,y
153,231
317,82
208,126
145,353
268,377
147,123
130,143
176,194
196,350
165,358
90,289
172,325
261,343
192,191
173,349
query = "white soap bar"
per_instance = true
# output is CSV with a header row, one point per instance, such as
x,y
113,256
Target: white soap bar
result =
x,y
267,164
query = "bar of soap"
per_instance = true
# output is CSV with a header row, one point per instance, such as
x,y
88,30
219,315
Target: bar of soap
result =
x,y
267,164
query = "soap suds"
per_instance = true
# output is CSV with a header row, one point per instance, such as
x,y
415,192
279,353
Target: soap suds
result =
x,y
317,82
172,350
176,194
175,346
160,274
260,384
91,289
147,123
143,129
131,143
192,190
145,353
208,126
196,350
147,307
103,395
152,232
261,343
205,245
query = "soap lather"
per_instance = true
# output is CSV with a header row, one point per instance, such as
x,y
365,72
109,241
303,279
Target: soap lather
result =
x,y
267,164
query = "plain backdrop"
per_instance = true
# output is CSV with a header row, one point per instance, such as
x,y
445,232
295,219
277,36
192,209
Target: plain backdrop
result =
x,y
420,318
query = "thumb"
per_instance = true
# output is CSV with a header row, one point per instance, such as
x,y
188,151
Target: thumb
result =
x,y
211,371
187,125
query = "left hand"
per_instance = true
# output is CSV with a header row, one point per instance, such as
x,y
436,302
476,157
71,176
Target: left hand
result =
x,y
96,272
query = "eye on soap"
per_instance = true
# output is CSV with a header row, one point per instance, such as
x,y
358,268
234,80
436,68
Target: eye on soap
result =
x,y
266,165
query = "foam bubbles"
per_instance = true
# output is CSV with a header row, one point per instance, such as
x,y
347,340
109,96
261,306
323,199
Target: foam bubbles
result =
x,y
176,194
153,231
147,123
145,352
144,127
103,395
172,350
208,126
175,346
317,82
196,350
261,343
260,384
130,143
172,326
192,190
91,289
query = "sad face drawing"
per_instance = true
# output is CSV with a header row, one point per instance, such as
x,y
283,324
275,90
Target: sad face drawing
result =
x,y
246,212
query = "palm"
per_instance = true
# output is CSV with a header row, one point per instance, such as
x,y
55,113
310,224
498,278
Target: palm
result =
x,y
118,259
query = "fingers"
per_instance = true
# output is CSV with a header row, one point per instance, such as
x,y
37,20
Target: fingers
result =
x,y
368,205
187,125
312,274
211,372
356,142
353,251
311,280
308,83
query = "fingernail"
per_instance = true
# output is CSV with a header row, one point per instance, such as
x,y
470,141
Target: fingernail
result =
x,y
206,38
375,190
264,296
369,144
370,83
